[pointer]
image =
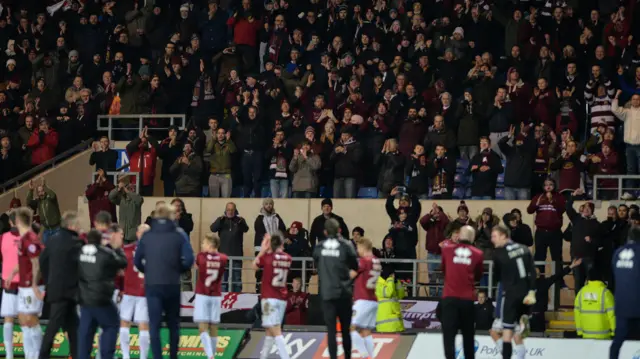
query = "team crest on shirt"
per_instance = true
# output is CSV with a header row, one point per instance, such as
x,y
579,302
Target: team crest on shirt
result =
x,y
32,248
209,256
568,165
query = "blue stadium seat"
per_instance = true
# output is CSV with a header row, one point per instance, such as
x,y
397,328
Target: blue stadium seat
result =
x,y
265,191
462,165
237,192
205,191
504,163
590,192
499,193
368,192
467,193
500,179
460,178
458,192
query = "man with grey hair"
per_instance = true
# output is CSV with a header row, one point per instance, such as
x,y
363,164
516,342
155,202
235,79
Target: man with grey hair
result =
x,y
337,265
59,265
462,267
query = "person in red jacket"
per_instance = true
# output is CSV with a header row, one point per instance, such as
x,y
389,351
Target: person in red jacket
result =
x,y
245,37
97,194
549,207
143,155
43,143
605,163
434,223
297,304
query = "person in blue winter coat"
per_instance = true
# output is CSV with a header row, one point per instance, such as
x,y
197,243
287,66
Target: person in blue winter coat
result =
x,y
626,272
163,254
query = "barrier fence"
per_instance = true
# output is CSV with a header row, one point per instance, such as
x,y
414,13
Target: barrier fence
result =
x,y
127,127
614,192
413,272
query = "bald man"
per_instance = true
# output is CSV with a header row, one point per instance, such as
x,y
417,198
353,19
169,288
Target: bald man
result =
x,y
462,267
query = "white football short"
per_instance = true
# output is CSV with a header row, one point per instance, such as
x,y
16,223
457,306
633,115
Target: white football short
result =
x,y
114,299
28,303
134,309
364,314
207,309
9,306
498,327
272,312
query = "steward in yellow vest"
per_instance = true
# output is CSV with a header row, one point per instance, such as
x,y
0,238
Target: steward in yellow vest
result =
x,y
389,291
594,309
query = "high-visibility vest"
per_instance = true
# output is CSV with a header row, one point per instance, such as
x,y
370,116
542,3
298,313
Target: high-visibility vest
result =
x,y
594,311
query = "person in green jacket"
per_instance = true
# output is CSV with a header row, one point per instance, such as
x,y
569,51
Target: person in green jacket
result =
x,y
130,208
46,203
389,292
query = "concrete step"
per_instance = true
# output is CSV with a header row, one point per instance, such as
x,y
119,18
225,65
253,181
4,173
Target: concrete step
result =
x,y
559,315
562,324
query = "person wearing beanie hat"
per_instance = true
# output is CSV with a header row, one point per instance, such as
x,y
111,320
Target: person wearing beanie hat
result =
x,y
11,62
463,219
585,237
605,163
304,168
317,233
347,157
296,244
267,222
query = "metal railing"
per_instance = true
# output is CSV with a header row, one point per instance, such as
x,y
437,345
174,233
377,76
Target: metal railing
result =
x,y
117,174
111,123
307,269
620,190
28,175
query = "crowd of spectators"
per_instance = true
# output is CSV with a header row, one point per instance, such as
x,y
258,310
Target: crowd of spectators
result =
x,y
324,97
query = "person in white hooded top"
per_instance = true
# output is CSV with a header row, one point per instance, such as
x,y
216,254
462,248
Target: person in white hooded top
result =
x,y
631,118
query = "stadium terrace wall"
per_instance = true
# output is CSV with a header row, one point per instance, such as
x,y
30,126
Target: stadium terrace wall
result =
x,y
370,214
540,348
68,179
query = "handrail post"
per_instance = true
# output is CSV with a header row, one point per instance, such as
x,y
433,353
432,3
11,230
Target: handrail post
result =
x,y
490,281
415,279
620,191
555,294
140,123
304,274
595,187
110,130
230,277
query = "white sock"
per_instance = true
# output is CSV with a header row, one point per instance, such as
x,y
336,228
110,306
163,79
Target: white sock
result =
x,y
125,342
206,344
214,345
8,339
520,351
368,343
26,342
266,347
98,351
282,347
36,338
144,341
499,344
357,342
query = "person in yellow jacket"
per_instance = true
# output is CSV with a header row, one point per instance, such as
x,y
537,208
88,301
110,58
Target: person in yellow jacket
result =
x,y
389,291
594,309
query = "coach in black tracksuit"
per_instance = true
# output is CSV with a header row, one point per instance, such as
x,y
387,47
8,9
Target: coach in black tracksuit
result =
x,y
163,254
98,266
59,265
335,257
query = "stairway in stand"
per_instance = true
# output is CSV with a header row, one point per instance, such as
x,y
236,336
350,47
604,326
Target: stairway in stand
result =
x,y
559,322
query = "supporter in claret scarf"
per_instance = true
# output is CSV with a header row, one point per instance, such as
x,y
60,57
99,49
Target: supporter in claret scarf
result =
x,y
297,304
570,166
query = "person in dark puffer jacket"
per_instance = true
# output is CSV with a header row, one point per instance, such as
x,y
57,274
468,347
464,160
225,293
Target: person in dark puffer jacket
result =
x,y
585,238
417,171
347,159
391,168
519,150
485,168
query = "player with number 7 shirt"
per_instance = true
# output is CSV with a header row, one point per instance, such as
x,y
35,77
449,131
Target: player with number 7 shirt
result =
x,y
275,264
133,307
211,266
365,306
